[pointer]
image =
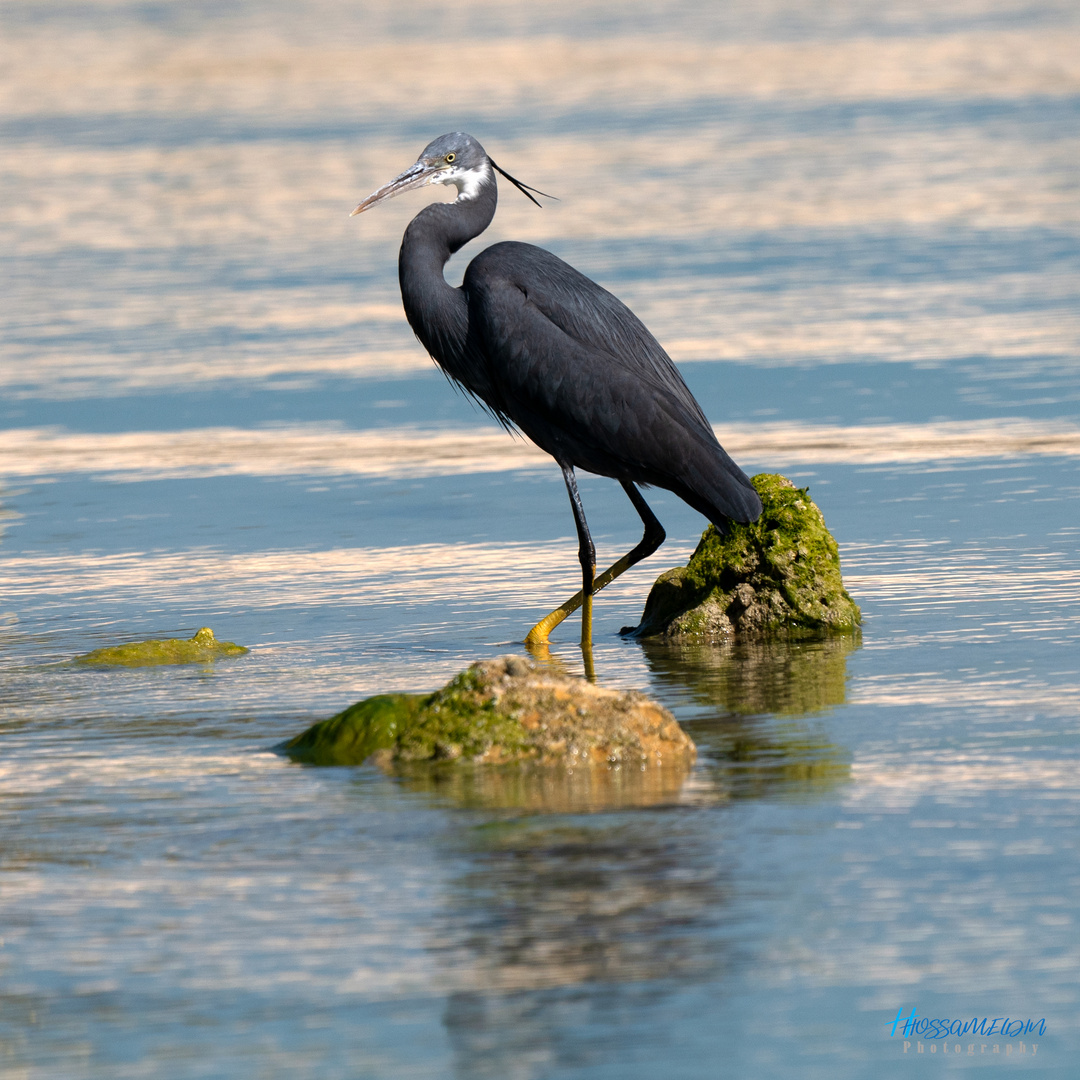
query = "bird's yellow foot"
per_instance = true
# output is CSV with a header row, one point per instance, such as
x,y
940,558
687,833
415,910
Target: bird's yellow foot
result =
x,y
538,635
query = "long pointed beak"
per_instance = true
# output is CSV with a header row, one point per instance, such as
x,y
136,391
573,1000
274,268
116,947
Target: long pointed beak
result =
x,y
413,177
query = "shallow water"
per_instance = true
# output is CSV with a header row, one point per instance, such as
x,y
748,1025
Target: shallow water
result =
x,y
856,227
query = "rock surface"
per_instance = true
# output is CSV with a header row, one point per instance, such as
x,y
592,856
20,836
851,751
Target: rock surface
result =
x,y
200,649
498,712
776,577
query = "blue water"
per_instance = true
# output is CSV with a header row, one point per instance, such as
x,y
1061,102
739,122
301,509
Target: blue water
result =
x,y
874,824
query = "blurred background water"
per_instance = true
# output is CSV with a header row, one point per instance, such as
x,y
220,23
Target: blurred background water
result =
x,y
855,226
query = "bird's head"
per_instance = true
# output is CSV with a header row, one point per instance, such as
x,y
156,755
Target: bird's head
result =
x,y
456,159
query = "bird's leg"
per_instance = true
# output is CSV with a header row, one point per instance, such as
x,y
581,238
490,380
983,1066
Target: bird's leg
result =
x,y
587,557
587,662
653,537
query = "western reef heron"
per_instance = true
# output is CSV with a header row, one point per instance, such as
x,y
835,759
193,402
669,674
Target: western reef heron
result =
x,y
551,353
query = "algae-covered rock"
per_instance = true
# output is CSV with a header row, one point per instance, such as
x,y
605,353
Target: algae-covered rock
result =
x,y
200,649
779,576
500,712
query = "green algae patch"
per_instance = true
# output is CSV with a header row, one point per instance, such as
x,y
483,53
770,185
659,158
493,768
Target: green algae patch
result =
x,y
352,736
506,712
465,719
200,649
776,577
459,721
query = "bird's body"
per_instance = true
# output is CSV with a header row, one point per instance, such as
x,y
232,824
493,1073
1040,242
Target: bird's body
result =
x,y
553,354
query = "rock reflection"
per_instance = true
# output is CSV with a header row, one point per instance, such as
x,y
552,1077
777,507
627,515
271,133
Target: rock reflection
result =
x,y
563,925
760,732
752,678
537,789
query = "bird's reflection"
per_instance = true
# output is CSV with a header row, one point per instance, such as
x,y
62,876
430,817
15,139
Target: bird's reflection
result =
x,y
541,652
563,924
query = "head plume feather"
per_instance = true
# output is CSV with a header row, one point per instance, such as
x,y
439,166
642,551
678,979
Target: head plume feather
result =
x,y
523,188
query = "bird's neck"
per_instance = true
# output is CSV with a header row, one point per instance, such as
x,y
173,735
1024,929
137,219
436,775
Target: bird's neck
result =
x,y
437,312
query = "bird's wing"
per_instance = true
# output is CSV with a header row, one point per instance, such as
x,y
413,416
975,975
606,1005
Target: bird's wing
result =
x,y
584,379
588,314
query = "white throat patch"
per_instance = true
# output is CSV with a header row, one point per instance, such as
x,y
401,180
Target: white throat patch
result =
x,y
467,181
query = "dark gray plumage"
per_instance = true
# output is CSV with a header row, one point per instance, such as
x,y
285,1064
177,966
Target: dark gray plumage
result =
x,y
550,352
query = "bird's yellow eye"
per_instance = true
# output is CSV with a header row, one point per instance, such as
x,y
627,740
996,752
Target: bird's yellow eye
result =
x,y
450,158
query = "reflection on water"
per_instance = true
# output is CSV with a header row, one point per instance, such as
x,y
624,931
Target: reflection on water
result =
x,y
552,791
757,703
752,759
557,904
547,914
757,677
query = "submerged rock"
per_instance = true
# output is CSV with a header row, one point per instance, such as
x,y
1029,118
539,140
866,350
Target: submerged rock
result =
x,y
779,576
507,711
199,649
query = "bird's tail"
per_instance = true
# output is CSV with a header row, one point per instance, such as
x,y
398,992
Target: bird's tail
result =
x,y
722,491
